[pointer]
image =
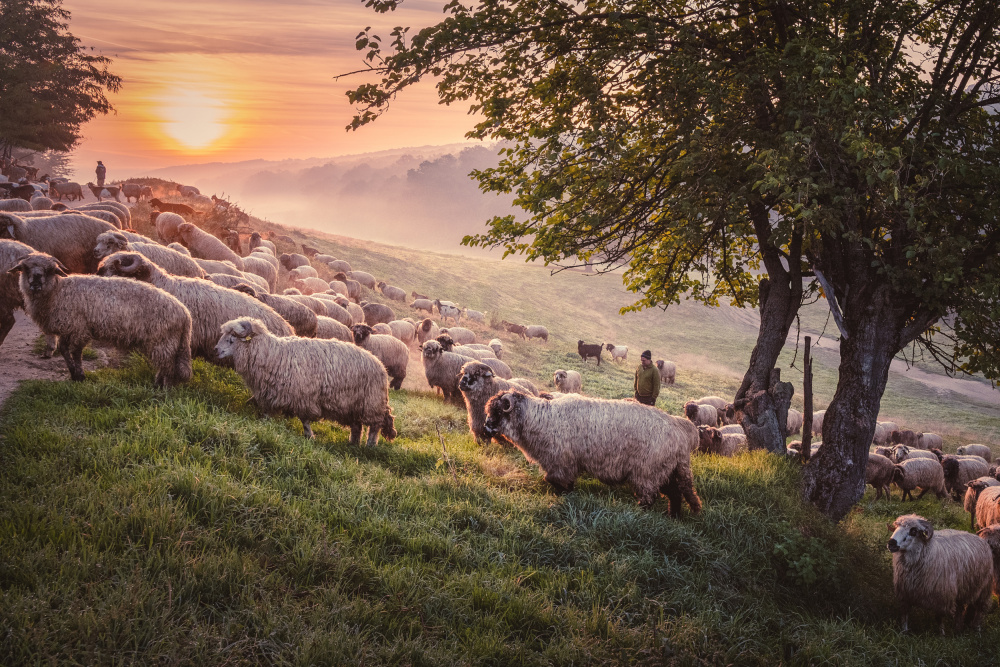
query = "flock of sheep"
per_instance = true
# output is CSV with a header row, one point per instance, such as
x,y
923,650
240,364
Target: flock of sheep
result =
x,y
319,350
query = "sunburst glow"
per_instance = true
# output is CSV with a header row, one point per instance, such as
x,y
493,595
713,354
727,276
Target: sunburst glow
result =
x,y
193,118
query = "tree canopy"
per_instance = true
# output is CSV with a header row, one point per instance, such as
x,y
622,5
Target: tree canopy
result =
x,y
697,142
49,84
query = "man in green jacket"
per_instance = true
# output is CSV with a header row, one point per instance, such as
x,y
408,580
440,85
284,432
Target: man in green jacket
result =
x,y
647,380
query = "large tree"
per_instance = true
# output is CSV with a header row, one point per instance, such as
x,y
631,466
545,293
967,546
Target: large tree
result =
x,y
49,84
700,142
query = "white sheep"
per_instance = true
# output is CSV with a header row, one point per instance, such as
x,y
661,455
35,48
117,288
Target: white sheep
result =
x,y
388,349
11,253
310,285
988,507
474,315
497,346
327,327
423,304
930,441
701,414
68,237
923,473
949,572
618,442
668,371
302,320
258,265
210,266
366,279
390,292
478,384
976,450
404,331
817,427
210,305
460,335
340,266
167,224
427,330
536,331
568,382
618,352
300,272
443,369
960,470
14,205
167,259
902,453
878,473
179,248
205,246
712,440
126,314
310,378
356,312
972,491
794,422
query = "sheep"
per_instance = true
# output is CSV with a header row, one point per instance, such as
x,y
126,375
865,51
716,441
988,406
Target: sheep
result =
x,y
878,473
615,441
264,254
122,211
794,422
474,315
482,348
340,266
14,205
537,331
337,287
11,253
353,286
717,402
205,246
166,207
443,369
668,371
310,285
423,304
991,536
976,450
283,238
393,353
327,327
231,281
882,432
356,312
419,296
426,330
904,437
618,352
568,382
106,216
585,351
883,451
211,266
902,453
366,279
67,237
68,189
293,260
167,259
446,311
712,441
179,248
302,320
256,264
732,428
166,226
300,272
516,329
478,384
318,306
311,379
390,292
334,310
211,305
701,414
448,344
948,572
41,203
382,328
972,491
256,242
377,312
131,191
923,473
188,190
497,346
323,258
404,331
461,335
960,470
929,441
101,191
79,309
817,428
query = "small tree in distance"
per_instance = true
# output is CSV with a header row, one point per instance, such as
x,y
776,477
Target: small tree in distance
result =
x,y
49,85
697,143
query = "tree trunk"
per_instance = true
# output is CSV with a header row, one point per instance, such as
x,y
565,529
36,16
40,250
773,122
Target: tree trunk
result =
x,y
835,478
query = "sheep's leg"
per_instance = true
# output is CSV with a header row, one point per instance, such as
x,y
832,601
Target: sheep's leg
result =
x,y
684,479
904,617
373,433
307,429
355,434
673,493
51,342
922,492
6,323
559,484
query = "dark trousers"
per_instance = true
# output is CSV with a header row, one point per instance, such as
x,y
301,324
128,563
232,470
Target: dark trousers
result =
x,y
645,400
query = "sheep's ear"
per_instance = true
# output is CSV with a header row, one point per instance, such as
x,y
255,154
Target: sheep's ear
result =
x,y
17,268
61,269
890,526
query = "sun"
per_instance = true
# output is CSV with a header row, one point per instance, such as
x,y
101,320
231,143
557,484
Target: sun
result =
x,y
193,118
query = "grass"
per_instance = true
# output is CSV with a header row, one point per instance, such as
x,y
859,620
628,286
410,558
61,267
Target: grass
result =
x,y
142,525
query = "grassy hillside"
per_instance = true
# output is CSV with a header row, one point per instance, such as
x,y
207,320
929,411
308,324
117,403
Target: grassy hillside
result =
x,y
179,526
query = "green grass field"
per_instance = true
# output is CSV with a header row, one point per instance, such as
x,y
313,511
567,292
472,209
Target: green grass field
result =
x,y
179,526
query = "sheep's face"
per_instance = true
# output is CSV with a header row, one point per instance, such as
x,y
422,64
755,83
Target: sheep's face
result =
x,y
126,265
38,272
691,411
109,242
475,377
609,347
234,334
911,533
361,333
558,378
709,439
499,412
446,341
431,350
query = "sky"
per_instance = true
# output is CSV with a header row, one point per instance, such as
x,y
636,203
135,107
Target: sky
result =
x,y
232,80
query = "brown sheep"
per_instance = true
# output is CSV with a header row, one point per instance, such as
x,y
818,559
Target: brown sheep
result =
x,y
878,473
972,491
904,437
960,470
988,507
991,536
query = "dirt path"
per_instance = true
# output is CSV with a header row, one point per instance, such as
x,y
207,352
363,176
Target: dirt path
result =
x,y
18,361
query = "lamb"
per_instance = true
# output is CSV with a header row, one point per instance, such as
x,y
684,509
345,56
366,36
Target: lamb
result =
x,y
366,279
537,331
478,385
210,305
67,237
181,209
929,441
497,346
404,331
972,492
976,450
585,351
668,371
122,313
377,312
427,330
615,441
311,379
254,263
393,353
311,285
701,414
461,335
923,473
390,292
712,441
11,253
293,260
302,320
474,315
904,437
423,304
205,246
443,369
794,422
516,329
960,470
948,572
618,352
167,259
878,473
568,382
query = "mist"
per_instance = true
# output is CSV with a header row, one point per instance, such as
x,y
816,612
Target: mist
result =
x,y
420,197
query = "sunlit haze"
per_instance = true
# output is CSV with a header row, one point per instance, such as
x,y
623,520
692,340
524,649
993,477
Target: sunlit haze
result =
x,y
232,80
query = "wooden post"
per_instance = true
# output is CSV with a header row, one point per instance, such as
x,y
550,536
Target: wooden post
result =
x,y
807,400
